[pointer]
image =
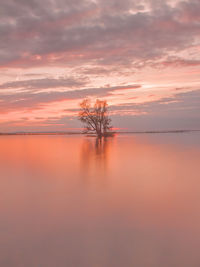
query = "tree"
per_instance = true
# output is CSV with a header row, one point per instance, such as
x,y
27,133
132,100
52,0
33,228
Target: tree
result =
x,y
95,118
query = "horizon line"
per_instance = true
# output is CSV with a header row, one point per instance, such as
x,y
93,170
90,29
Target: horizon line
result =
x,y
81,133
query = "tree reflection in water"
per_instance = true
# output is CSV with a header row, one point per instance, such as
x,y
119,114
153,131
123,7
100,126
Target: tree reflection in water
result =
x,y
95,156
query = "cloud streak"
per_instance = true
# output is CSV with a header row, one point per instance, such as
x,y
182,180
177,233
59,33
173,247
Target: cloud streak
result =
x,y
30,100
45,83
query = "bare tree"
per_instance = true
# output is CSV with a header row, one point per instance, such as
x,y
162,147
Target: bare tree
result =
x,y
95,118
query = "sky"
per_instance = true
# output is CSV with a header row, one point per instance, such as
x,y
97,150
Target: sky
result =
x,y
143,57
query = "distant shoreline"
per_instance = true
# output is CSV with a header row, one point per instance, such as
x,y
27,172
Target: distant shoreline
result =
x,y
79,133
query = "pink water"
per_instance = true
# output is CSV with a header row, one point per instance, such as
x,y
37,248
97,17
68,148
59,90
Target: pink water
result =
x,y
129,201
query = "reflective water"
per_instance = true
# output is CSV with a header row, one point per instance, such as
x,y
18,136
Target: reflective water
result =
x,y
128,201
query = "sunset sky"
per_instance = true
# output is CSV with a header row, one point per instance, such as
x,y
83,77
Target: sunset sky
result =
x,y
143,57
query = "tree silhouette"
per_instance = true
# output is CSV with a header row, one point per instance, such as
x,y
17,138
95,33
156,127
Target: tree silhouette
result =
x,y
95,118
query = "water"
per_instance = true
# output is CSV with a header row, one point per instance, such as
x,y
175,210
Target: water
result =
x,y
70,201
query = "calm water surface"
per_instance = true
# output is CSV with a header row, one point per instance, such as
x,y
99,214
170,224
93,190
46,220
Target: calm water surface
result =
x,y
129,201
